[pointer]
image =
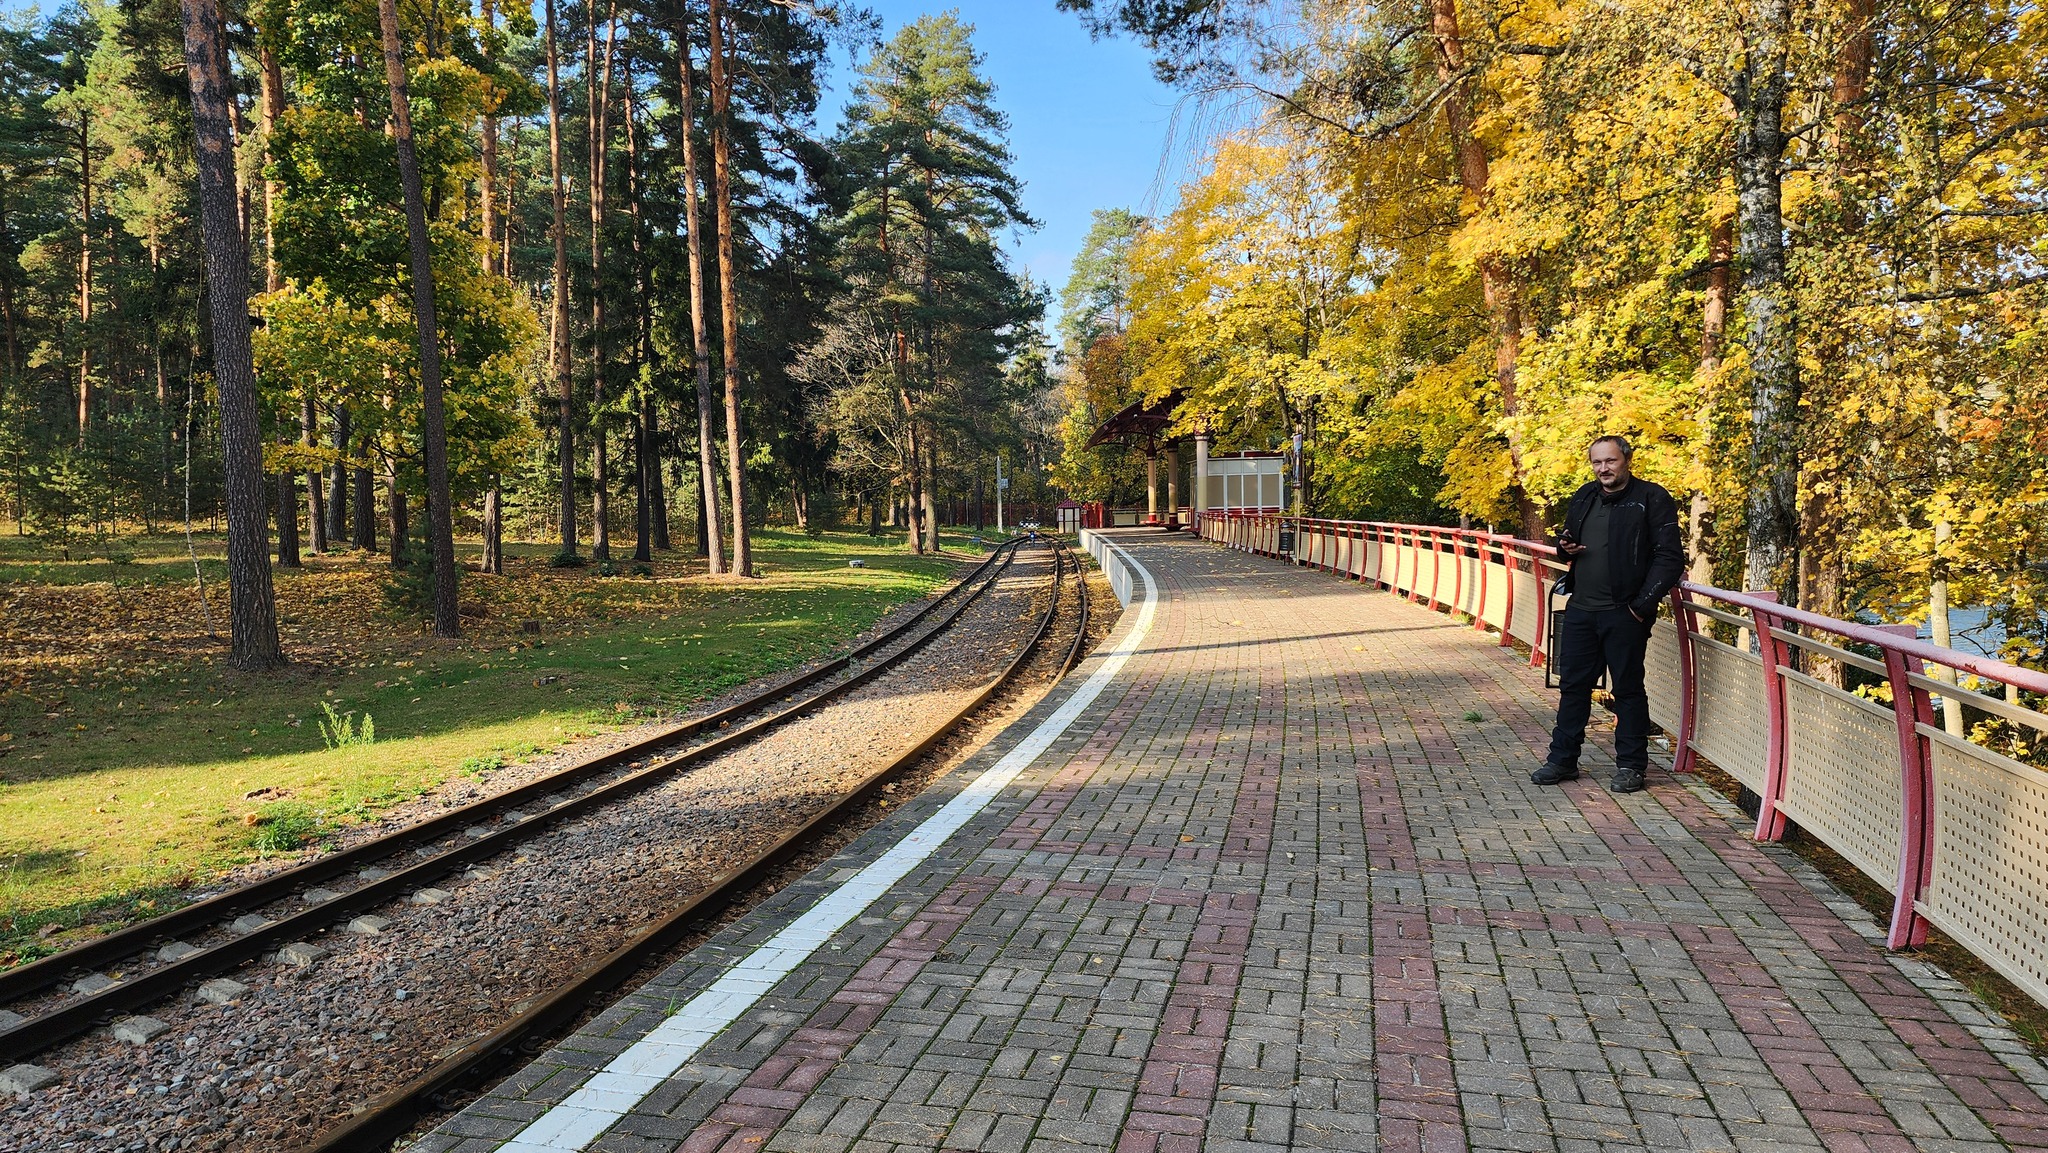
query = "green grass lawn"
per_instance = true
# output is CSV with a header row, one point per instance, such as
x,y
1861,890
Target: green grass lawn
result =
x,y
133,763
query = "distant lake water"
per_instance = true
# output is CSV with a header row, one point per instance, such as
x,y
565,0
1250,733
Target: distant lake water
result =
x,y
1971,631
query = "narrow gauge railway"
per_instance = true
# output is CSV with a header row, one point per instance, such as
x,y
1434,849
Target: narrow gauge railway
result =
x,y
90,984
424,980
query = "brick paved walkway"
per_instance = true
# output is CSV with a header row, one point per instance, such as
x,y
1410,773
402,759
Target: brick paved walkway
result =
x,y
1285,885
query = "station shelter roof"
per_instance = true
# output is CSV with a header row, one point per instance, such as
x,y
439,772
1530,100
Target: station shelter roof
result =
x,y
1138,420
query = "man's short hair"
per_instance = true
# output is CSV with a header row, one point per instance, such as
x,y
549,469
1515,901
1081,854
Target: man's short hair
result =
x,y
1619,442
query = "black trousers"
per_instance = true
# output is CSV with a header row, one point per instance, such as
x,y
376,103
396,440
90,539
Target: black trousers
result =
x,y
1585,642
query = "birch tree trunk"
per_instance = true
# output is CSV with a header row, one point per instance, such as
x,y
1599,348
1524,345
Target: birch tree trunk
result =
x,y
494,530
252,607
1773,507
1713,345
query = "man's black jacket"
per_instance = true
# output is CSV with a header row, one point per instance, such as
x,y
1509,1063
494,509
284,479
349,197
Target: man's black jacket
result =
x,y
1644,547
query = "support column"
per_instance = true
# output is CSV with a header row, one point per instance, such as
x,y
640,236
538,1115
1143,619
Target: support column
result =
x,y
1201,473
1173,483
1151,485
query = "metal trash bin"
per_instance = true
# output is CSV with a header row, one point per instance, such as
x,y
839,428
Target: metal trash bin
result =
x,y
1287,542
1552,678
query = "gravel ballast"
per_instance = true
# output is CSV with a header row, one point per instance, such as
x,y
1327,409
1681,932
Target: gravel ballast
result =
x,y
265,1060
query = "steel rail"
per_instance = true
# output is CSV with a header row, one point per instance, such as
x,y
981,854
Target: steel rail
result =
x,y
1081,628
39,1033
375,1125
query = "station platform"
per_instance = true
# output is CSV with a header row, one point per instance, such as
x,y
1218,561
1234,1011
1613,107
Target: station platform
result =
x,y
1267,873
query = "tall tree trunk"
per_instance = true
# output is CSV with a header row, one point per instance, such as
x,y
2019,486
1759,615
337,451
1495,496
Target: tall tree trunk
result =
x,y
9,317
649,532
85,365
914,482
599,95
433,413
288,519
271,77
365,519
1713,343
930,497
252,607
316,503
728,290
657,485
494,529
1822,565
1498,287
337,492
703,529
565,380
399,513
487,179
1852,77
1773,511
700,341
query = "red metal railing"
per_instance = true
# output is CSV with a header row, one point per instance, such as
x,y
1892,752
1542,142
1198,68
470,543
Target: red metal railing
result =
x,y
1956,831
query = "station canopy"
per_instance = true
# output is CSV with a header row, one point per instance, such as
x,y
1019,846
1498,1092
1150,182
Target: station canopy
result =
x,y
1138,421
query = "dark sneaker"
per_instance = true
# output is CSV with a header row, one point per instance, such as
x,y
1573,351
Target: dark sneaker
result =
x,y
1551,774
1627,781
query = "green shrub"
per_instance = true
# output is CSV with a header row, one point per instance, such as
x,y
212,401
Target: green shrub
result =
x,y
340,730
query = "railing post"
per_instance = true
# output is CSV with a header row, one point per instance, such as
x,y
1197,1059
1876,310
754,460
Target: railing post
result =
x,y
1436,568
1479,608
1414,567
1538,656
1911,708
1509,566
1457,572
1685,621
1770,823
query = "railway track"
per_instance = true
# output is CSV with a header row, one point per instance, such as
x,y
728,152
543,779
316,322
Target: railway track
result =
x,y
268,1040
378,1123
231,932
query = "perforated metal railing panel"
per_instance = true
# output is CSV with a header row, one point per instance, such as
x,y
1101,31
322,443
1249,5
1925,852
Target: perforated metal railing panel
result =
x,y
1990,884
1406,561
1842,774
1662,676
1734,725
1528,607
1495,610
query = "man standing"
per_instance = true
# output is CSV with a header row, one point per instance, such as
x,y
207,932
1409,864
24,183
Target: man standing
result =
x,y
1621,534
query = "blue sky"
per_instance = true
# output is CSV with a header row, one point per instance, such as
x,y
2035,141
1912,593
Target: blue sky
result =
x,y
1089,126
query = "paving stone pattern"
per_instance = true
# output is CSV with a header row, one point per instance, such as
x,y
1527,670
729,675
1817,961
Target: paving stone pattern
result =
x,y
1274,892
